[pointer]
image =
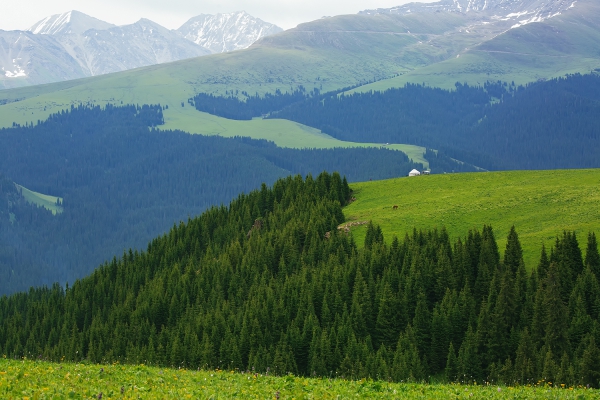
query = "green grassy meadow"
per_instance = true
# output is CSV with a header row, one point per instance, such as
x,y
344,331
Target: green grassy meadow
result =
x,y
41,200
540,204
282,132
25,379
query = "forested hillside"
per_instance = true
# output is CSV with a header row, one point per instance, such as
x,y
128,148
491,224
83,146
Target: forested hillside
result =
x,y
496,126
544,125
232,107
124,183
261,286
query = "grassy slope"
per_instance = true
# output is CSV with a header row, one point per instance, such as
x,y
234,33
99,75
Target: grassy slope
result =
x,y
562,45
282,132
41,200
540,204
44,380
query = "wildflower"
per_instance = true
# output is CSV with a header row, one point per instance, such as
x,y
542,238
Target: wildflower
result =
x,y
499,389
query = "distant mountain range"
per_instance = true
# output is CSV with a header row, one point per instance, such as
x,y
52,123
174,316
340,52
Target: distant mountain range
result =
x,y
74,45
432,43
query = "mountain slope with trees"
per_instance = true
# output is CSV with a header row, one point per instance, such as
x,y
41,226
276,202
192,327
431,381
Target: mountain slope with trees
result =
x,y
349,50
553,124
259,286
123,183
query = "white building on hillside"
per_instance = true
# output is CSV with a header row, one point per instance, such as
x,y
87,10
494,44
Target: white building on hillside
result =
x,y
414,172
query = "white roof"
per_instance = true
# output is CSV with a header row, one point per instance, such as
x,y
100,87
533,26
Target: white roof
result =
x,y
414,172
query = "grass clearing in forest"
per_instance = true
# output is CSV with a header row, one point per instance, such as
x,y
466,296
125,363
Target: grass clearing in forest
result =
x,y
540,204
41,200
26,379
282,132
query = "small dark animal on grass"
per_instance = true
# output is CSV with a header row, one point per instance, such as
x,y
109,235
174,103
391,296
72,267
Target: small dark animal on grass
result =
x,y
395,207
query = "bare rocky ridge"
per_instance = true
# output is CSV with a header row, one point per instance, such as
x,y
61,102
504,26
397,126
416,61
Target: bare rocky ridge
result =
x,y
520,11
226,32
72,22
25,56
102,51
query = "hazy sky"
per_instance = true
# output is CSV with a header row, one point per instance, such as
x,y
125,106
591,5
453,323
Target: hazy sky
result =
x,y
173,13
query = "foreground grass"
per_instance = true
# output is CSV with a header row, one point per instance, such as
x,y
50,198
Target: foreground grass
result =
x,y
540,204
43,380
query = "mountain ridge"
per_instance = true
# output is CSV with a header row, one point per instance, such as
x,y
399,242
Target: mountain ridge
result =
x,y
226,32
73,45
515,8
438,49
69,22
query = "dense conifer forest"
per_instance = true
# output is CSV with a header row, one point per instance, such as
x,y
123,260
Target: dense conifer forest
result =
x,y
124,183
253,106
260,285
544,125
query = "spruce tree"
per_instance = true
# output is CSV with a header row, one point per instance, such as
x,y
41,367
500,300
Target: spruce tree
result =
x,y
589,364
513,256
386,325
469,363
524,367
422,325
451,371
556,340
592,257
543,265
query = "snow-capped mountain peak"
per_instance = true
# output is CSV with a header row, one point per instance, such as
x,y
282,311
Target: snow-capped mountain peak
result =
x,y
74,45
226,32
70,22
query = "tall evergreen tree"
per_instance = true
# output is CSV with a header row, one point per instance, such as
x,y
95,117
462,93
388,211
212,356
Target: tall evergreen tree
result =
x,y
592,257
513,255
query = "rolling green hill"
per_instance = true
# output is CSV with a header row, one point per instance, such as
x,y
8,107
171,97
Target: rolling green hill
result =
x,y
282,132
540,204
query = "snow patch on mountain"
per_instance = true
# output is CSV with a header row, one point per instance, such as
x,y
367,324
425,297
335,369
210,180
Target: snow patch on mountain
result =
x,y
17,73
